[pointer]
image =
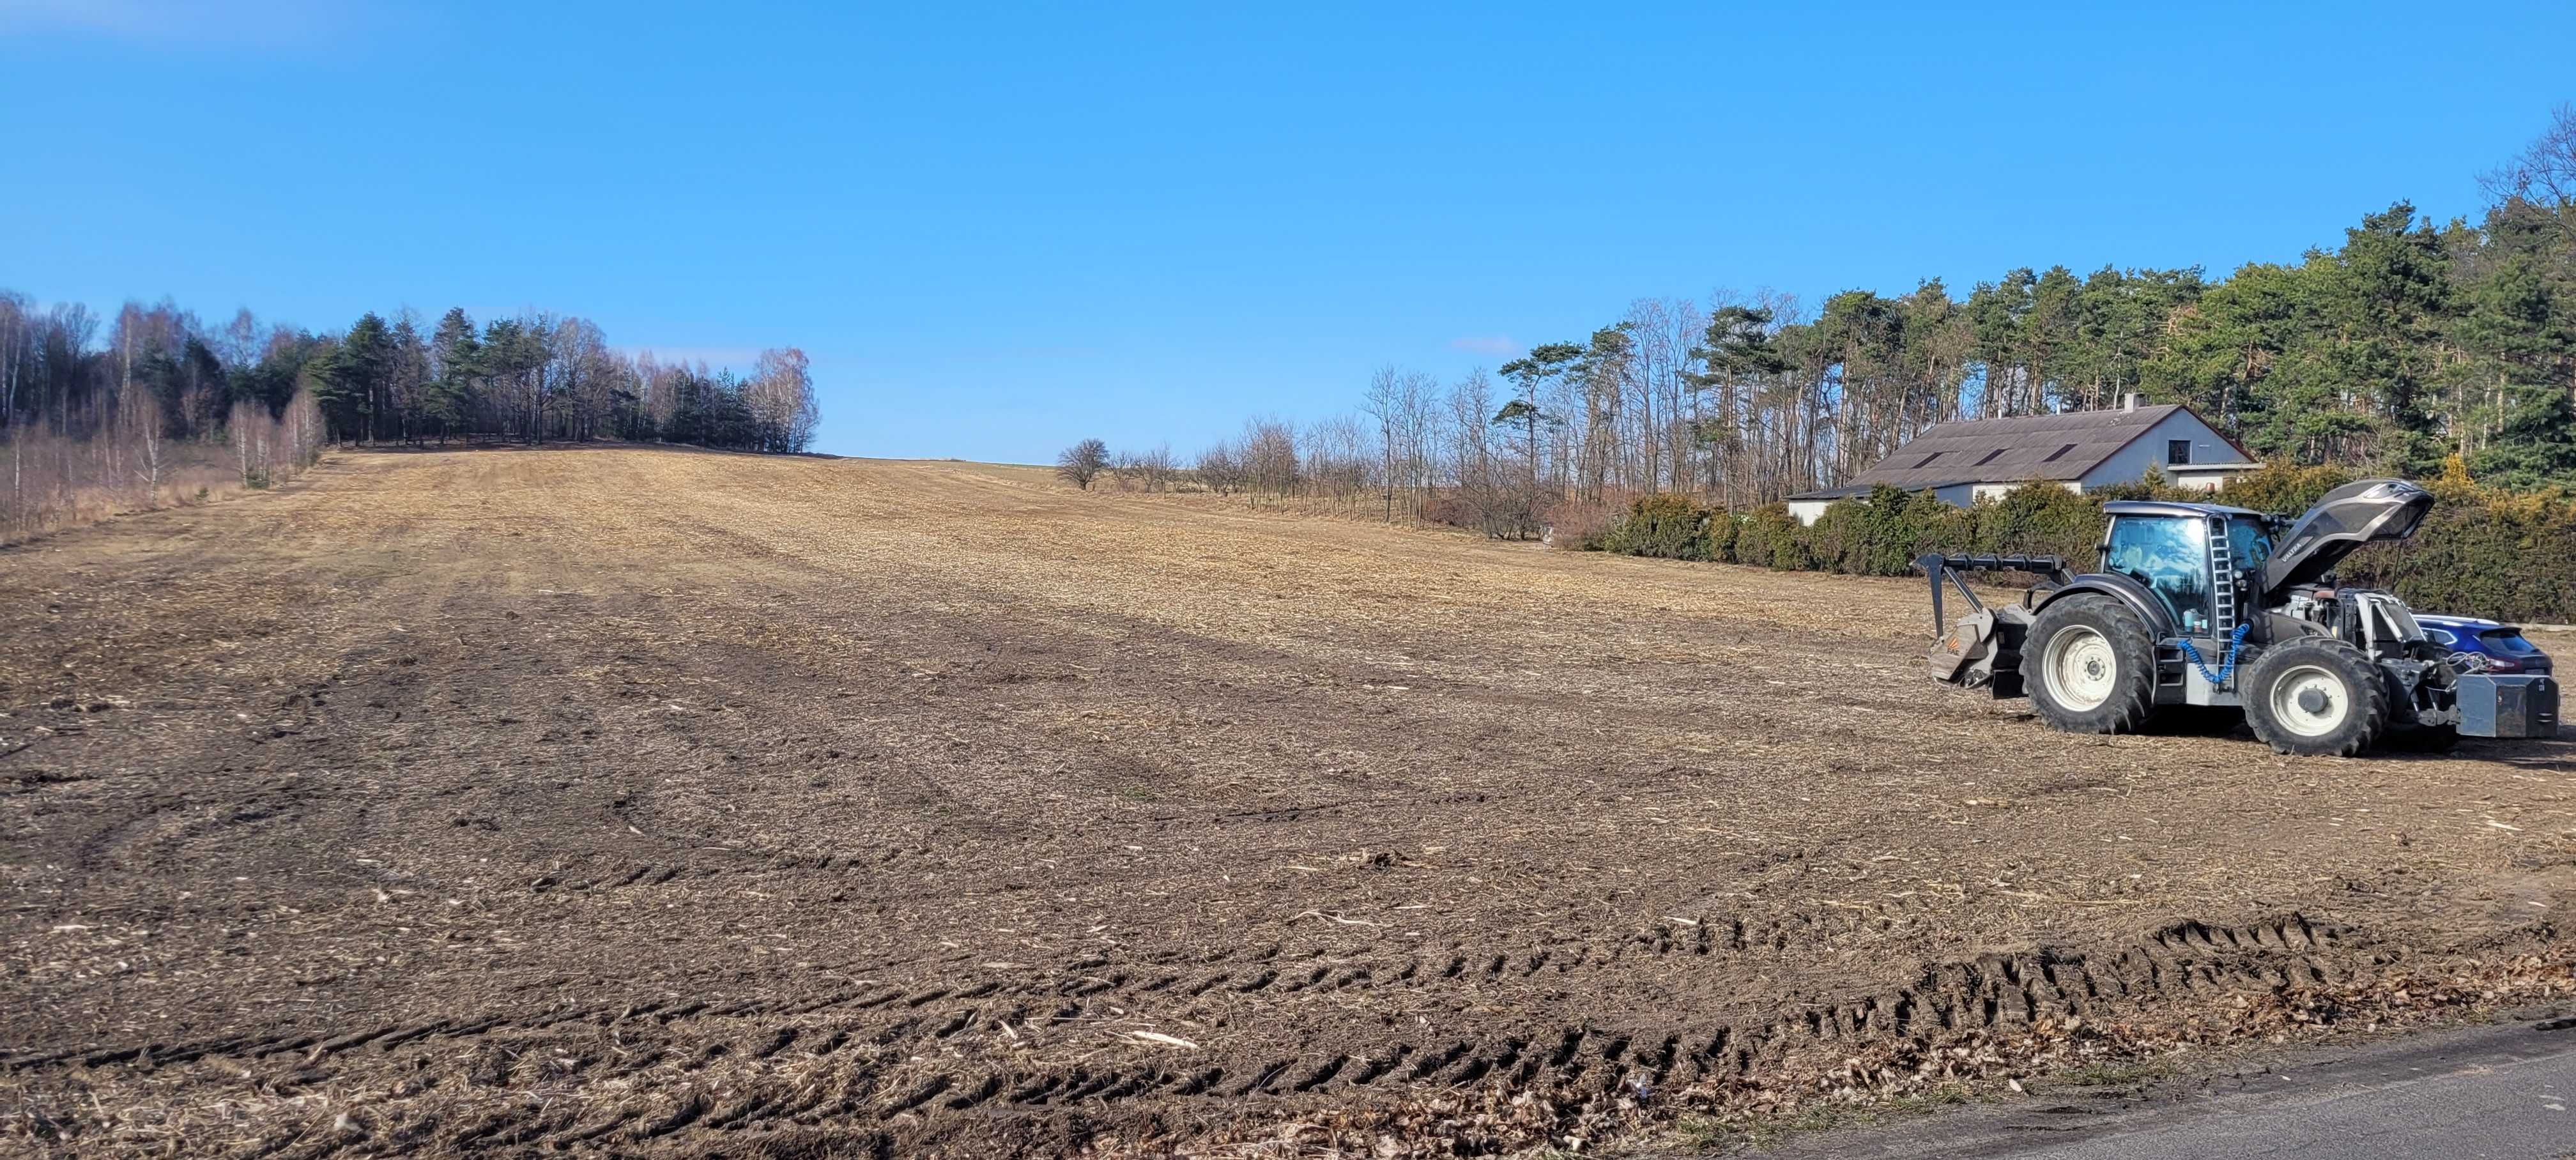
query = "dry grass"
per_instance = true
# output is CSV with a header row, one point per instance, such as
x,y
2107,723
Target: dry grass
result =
x,y
50,484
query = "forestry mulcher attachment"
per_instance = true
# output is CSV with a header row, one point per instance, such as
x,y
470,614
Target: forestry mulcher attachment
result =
x,y
2197,604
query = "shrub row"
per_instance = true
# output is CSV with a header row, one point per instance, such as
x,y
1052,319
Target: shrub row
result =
x,y
2480,552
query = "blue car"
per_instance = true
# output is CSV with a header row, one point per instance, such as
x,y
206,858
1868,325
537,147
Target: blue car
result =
x,y
2484,646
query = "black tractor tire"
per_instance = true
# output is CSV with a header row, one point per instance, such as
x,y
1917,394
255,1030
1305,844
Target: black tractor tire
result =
x,y
2316,696
2105,675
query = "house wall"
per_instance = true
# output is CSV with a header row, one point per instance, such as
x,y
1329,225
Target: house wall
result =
x,y
2205,480
1807,511
2130,464
1975,492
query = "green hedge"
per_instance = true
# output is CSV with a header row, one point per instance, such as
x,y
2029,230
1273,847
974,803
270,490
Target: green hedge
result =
x,y
2480,552
1674,527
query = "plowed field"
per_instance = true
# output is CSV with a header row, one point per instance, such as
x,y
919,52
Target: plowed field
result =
x,y
654,801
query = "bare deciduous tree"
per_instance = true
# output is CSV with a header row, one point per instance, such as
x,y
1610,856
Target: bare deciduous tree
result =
x,y
1384,404
1082,463
1154,466
140,416
2543,174
781,394
1220,469
1269,453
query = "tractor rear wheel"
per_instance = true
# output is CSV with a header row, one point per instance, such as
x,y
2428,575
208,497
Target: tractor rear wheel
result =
x,y
2089,666
2315,697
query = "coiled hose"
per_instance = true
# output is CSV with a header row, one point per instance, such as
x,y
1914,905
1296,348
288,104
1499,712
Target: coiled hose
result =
x,y
2235,643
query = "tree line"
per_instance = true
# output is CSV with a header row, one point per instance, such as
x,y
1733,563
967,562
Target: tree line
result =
x,y
532,377
2409,345
157,406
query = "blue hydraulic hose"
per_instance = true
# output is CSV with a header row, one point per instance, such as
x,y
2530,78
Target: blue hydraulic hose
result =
x,y
2234,643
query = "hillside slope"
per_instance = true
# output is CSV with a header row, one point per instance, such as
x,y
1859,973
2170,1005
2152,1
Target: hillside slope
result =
x,y
501,799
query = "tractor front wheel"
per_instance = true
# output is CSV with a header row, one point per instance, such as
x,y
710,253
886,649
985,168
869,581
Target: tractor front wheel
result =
x,y
2316,697
2089,666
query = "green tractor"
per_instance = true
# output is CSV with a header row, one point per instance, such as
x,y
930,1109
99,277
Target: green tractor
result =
x,y
2200,604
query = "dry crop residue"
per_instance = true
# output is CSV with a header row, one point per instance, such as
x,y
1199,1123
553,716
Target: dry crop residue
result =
x,y
647,800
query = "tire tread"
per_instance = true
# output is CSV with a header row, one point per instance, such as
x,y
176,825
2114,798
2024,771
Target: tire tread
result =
x,y
2131,703
2368,723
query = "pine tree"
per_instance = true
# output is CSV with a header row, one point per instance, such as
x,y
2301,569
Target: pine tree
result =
x,y
455,358
351,385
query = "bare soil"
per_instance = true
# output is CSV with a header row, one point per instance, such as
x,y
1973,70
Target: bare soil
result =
x,y
653,801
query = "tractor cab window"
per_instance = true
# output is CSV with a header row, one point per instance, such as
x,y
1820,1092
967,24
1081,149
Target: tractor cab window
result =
x,y
2168,554
2250,542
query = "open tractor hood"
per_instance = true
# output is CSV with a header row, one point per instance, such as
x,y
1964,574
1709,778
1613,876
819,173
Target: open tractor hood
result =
x,y
2370,511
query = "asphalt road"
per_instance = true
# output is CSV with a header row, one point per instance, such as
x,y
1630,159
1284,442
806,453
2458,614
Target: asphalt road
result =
x,y
2500,1092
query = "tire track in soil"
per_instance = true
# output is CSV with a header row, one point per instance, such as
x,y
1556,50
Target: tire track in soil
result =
x,y
883,663
806,1061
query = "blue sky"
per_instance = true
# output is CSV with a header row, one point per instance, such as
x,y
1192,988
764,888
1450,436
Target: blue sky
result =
x,y
999,229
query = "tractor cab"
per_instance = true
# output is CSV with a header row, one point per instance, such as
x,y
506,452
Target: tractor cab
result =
x,y
2197,560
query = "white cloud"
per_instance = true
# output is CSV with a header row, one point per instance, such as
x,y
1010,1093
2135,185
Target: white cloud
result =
x,y
1497,344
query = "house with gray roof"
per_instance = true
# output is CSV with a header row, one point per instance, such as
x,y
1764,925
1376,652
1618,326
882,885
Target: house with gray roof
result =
x,y
1966,460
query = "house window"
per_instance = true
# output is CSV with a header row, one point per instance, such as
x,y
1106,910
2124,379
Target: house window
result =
x,y
2052,456
2177,451
1927,460
1990,457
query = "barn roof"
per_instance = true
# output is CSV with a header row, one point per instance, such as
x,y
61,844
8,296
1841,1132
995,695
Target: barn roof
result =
x,y
2018,449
